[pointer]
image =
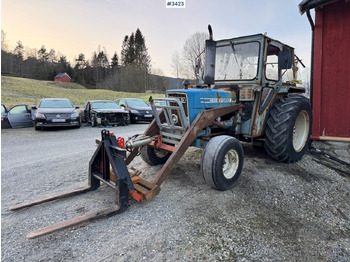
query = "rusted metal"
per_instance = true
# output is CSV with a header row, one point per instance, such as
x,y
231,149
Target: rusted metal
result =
x,y
107,155
52,198
74,222
204,119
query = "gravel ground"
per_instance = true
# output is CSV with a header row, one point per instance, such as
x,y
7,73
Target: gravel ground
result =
x,y
276,212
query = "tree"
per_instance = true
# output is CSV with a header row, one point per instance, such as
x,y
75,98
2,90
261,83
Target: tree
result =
x,y
124,50
43,55
4,45
115,61
192,52
176,65
130,55
19,55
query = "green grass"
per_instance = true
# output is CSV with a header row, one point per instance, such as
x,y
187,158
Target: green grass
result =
x,y
78,94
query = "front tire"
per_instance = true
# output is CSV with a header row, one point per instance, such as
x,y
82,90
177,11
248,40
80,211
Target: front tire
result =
x,y
153,156
288,128
222,162
93,121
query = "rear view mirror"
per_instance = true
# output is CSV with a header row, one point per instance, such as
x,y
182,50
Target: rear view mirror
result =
x,y
210,53
285,59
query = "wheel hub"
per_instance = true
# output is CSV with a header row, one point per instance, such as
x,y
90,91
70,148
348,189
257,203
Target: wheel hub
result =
x,y
231,163
301,131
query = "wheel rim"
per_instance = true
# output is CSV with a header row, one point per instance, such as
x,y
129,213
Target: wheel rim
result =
x,y
301,131
230,165
160,153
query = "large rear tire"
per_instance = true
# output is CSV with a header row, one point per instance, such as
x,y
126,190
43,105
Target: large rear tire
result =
x,y
288,128
222,162
153,156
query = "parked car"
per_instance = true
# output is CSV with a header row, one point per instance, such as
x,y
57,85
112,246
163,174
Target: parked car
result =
x,y
139,110
17,116
4,120
54,112
104,112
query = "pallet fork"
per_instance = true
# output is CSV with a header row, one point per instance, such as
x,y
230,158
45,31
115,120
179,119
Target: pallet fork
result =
x,y
109,165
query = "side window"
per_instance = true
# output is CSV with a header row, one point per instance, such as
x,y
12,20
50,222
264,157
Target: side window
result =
x,y
22,109
271,69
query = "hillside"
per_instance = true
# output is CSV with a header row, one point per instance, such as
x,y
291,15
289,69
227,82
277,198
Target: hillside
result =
x,y
40,89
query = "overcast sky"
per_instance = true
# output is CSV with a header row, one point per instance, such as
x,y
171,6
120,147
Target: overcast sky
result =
x,y
81,26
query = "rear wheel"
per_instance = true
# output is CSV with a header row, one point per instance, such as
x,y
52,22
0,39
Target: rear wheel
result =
x,y
153,156
288,128
222,162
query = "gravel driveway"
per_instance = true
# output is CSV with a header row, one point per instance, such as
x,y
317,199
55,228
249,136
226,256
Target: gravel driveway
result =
x,y
276,212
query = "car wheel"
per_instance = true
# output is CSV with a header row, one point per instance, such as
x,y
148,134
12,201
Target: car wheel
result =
x,y
93,121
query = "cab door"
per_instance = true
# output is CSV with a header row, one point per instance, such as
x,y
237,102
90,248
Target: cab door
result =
x,y
20,116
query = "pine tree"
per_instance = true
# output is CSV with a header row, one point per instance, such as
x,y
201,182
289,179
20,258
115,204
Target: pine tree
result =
x,y
124,51
115,61
130,57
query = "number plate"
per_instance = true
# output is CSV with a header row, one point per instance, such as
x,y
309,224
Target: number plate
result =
x,y
148,115
59,120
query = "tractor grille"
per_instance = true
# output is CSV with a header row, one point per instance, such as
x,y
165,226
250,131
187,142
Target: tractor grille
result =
x,y
182,98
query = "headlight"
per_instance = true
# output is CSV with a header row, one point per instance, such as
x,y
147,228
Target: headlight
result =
x,y
39,115
74,115
134,111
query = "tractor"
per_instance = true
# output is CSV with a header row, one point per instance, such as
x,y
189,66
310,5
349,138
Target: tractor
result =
x,y
248,93
259,74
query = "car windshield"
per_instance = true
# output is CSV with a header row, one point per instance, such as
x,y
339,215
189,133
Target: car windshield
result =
x,y
237,61
136,102
55,104
101,105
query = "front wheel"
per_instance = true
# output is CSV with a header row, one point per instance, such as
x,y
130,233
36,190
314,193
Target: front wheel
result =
x,y
153,156
93,121
222,162
288,128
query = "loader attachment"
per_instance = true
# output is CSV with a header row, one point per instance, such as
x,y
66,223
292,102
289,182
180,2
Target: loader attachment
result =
x,y
109,165
107,155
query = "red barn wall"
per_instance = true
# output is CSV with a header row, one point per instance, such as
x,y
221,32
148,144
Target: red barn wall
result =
x,y
331,91
63,78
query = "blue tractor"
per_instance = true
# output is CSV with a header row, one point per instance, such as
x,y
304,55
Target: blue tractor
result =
x,y
249,94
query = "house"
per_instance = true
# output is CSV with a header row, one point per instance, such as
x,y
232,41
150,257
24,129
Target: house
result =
x,y
330,73
62,77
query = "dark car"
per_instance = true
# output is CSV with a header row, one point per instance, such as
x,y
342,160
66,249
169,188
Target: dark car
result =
x,y
4,120
104,112
139,110
17,116
56,112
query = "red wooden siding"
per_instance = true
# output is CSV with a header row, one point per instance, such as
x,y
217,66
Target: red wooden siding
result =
x,y
331,91
64,78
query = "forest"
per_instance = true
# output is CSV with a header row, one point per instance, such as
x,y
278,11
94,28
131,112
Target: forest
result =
x,y
130,72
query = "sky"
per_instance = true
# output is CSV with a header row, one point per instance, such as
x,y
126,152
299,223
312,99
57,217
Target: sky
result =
x,y
86,26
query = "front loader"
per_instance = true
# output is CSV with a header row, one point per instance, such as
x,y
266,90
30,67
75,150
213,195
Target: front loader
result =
x,y
249,93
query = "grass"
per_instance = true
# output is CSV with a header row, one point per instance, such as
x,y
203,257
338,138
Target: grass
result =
x,y
78,94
